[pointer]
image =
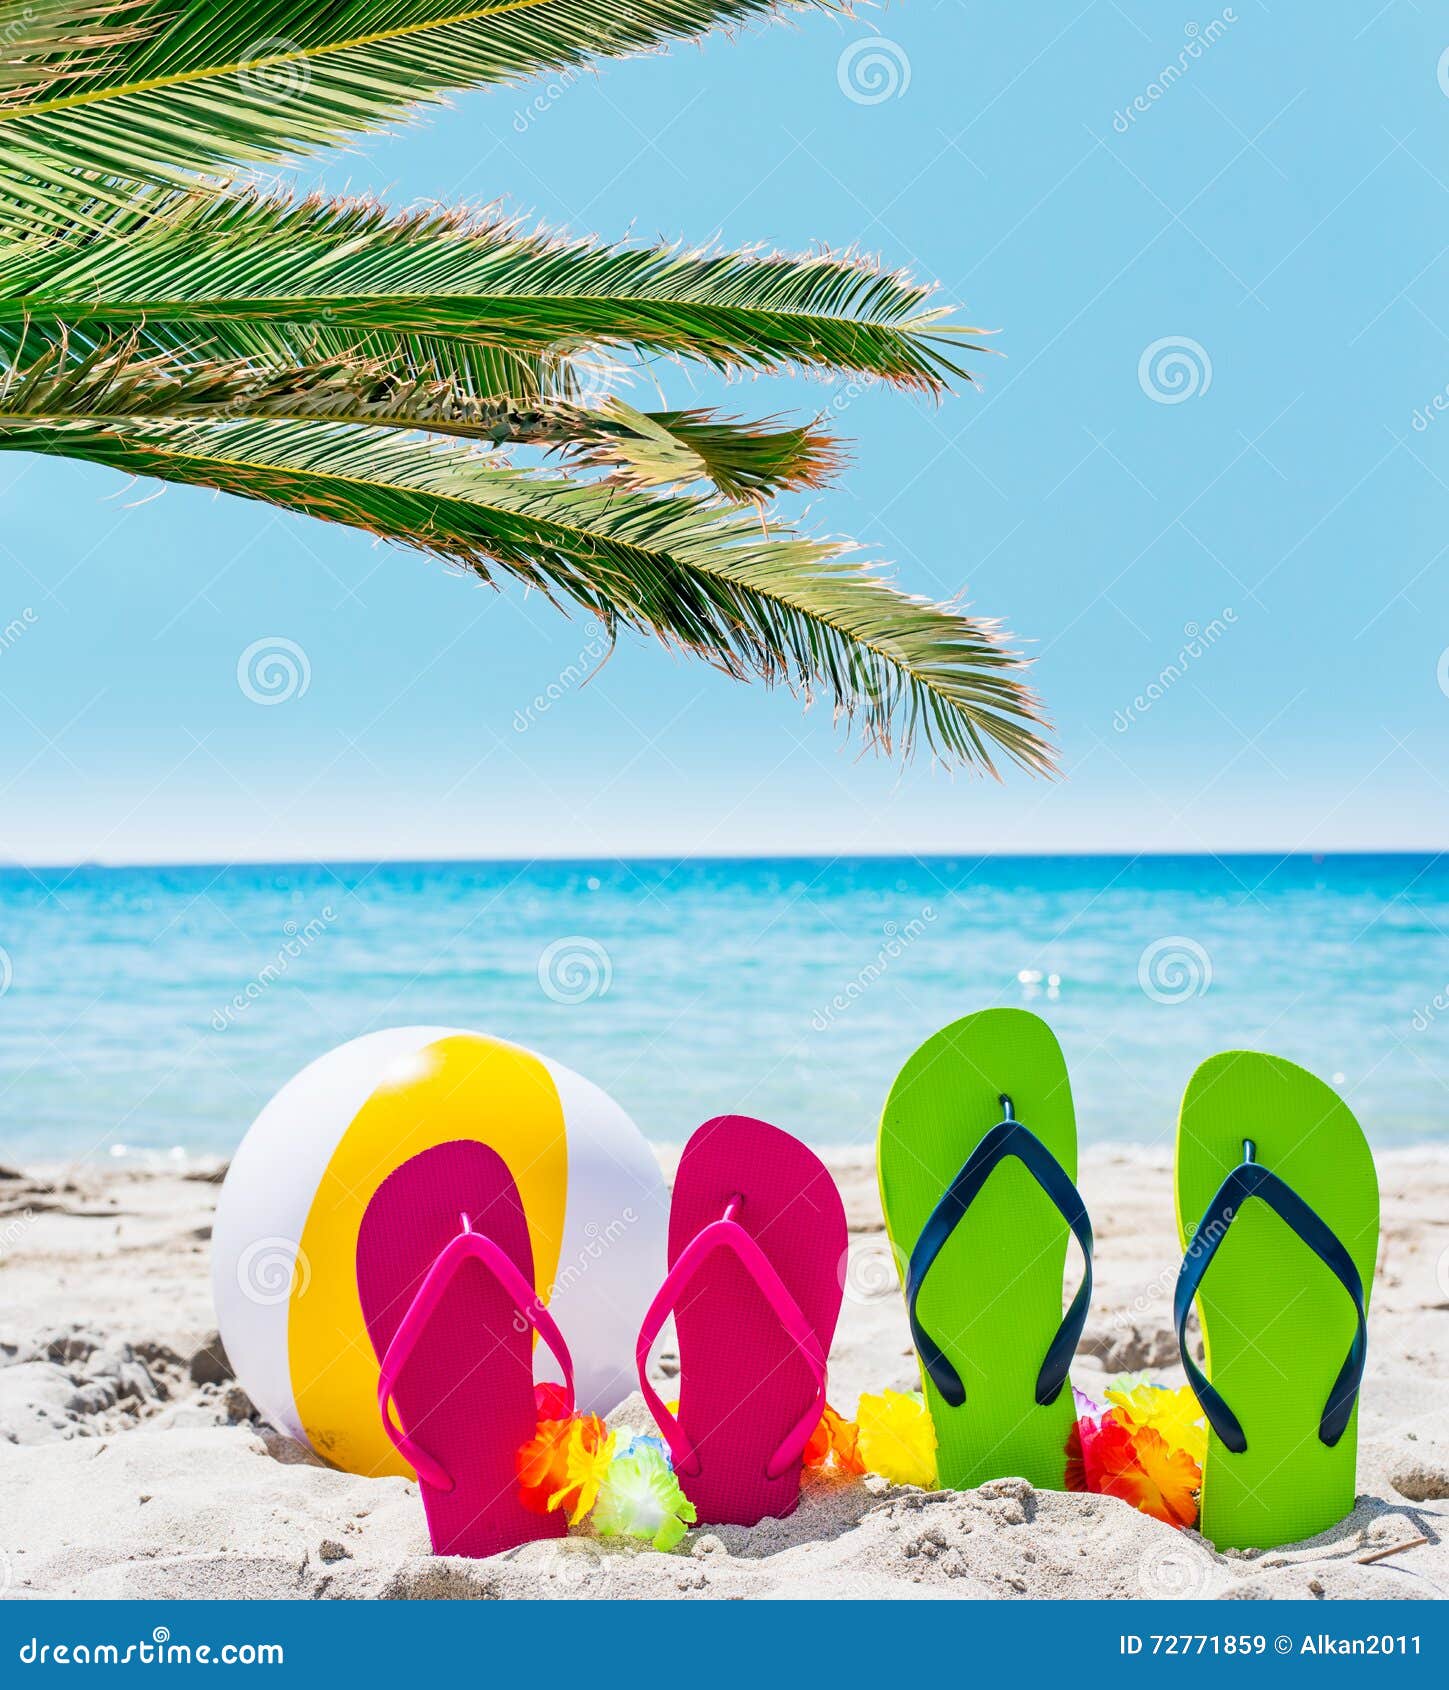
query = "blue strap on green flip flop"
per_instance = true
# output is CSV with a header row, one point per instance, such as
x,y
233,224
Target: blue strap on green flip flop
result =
x,y
982,1208
1251,1179
1007,1138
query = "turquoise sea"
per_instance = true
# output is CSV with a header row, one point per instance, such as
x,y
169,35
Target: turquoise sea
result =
x,y
151,1011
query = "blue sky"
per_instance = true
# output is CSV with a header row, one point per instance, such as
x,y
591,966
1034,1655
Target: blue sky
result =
x,y
1269,219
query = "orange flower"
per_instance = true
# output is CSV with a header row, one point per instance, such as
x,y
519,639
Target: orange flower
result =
x,y
1142,1469
542,1465
835,1444
1173,1413
562,1464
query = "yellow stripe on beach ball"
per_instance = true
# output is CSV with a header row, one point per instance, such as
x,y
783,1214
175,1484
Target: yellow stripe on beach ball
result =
x,y
462,1087
284,1244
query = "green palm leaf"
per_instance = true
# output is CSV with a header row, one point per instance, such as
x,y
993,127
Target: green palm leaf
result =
x,y
46,45
206,84
337,359
250,267
639,449
774,606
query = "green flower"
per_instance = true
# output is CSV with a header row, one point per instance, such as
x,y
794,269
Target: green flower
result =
x,y
641,1498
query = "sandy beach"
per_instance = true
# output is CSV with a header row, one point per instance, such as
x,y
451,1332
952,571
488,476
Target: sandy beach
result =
x,y
133,1465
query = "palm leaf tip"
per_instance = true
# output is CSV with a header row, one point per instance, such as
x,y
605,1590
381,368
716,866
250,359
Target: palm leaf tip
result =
x,y
739,460
773,605
246,267
903,671
45,44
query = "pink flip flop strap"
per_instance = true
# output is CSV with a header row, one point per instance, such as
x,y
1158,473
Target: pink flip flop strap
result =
x,y
467,1246
730,1235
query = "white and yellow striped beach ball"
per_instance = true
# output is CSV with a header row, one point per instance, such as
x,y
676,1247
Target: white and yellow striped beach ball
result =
x,y
285,1237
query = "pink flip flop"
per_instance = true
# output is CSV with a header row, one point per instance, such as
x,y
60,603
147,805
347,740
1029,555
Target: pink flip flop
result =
x,y
757,1240
445,1276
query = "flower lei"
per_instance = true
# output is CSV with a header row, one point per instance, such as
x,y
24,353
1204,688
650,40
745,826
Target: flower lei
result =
x,y
1145,1447
575,1463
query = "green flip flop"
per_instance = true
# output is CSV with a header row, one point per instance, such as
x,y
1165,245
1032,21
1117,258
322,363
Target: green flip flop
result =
x,y
976,1156
1278,1198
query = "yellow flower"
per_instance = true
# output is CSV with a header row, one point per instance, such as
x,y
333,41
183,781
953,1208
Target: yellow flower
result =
x,y
587,1465
897,1439
1173,1414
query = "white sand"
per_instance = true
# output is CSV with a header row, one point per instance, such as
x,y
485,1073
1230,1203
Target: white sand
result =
x,y
132,1466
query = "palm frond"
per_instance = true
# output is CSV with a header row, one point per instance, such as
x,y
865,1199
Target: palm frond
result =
x,y
206,84
776,606
65,384
334,359
250,264
48,44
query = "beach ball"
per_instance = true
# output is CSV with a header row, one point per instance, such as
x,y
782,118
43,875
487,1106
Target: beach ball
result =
x,y
284,1241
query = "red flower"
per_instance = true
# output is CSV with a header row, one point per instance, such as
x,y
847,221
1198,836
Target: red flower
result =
x,y
551,1401
833,1444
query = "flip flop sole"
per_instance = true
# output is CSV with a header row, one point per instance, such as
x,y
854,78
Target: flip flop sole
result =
x,y
1276,1323
993,1299
742,1381
465,1394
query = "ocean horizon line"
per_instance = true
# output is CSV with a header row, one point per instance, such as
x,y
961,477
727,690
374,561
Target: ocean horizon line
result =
x,y
1254,854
